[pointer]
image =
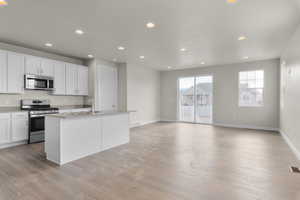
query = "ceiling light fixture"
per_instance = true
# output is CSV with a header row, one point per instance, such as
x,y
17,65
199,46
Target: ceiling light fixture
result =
x,y
142,57
182,49
202,63
246,57
232,1
3,3
242,38
169,67
150,25
79,32
121,48
48,44
90,56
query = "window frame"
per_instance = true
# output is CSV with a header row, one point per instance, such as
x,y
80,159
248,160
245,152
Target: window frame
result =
x,y
256,88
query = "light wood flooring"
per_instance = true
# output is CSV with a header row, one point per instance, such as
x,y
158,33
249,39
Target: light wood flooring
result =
x,y
164,161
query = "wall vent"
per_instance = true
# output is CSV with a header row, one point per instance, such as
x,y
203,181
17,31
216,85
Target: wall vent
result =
x,y
295,170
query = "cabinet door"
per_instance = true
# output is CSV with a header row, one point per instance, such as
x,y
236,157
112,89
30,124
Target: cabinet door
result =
x,y
19,128
107,87
59,78
4,128
15,73
47,66
83,81
71,79
3,72
32,65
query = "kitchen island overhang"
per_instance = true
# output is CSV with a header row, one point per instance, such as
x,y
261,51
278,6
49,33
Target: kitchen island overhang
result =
x,y
69,136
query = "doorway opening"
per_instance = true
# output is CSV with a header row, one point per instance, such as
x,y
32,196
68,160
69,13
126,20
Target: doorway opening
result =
x,y
195,99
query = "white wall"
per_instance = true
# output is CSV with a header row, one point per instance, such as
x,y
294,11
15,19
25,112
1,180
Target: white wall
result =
x,y
14,99
143,94
290,92
225,95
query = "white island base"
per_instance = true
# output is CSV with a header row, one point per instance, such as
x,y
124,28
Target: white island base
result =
x,y
69,137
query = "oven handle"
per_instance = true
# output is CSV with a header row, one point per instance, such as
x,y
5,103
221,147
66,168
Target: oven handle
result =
x,y
36,116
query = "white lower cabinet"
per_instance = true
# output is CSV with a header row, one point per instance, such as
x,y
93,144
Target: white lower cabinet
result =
x,y
5,125
19,126
13,127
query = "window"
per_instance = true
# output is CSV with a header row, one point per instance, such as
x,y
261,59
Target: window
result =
x,y
251,88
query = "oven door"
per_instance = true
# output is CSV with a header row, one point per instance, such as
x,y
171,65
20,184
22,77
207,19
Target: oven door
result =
x,y
36,128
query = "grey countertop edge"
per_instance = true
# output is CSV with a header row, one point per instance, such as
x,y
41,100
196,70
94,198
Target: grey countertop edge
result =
x,y
11,109
85,115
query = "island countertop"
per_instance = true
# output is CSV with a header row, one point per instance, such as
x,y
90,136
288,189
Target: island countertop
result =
x,y
87,114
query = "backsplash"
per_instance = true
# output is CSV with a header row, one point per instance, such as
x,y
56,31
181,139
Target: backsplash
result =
x,y
13,100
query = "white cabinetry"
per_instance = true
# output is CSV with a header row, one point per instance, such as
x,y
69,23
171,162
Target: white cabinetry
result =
x,y
13,128
19,126
3,72
38,66
5,128
11,72
15,73
76,80
59,78
47,66
83,82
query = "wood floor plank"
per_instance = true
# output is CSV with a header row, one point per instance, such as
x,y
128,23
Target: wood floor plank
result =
x,y
163,161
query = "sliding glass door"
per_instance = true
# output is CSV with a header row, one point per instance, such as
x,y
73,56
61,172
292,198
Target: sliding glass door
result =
x,y
195,99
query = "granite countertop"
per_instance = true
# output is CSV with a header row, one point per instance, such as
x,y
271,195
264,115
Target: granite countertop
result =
x,y
86,114
4,109
72,107
11,109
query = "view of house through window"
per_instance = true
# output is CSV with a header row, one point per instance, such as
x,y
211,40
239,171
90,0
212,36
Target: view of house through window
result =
x,y
195,99
251,88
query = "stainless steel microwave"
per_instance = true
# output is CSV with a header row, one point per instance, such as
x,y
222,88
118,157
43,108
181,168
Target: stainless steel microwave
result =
x,y
34,82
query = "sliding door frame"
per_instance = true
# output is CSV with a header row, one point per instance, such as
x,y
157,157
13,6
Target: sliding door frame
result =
x,y
195,99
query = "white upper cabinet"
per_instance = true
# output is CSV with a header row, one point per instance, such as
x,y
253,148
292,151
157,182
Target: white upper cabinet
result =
x,y
59,78
19,126
33,65
71,79
47,67
83,82
15,73
3,71
76,80
5,128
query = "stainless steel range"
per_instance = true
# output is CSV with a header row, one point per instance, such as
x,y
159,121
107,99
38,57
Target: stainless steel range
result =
x,y
38,109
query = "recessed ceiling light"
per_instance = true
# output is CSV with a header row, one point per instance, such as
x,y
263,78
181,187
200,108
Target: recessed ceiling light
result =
x,y
232,1
90,56
246,57
48,44
121,48
3,3
242,38
169,67
142,57
182,49
202,63
150,25
79,32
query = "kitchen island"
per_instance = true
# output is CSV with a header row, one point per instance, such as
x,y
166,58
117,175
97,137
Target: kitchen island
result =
x,y
71,136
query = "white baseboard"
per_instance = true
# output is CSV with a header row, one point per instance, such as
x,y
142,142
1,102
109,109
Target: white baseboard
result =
x,y
138,124
291,145
229,125
3,146
246,127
